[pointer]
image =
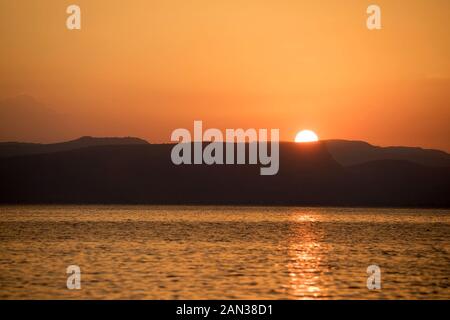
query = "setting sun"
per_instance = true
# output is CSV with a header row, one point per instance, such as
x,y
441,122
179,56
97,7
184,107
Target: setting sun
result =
x,y
306,136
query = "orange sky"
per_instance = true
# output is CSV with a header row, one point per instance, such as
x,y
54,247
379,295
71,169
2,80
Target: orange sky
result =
x,y
144,68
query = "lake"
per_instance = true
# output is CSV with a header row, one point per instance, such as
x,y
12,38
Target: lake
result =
x,y
211,252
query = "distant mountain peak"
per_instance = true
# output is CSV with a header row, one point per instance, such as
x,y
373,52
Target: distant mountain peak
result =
x,y
114,140
8,149
348,153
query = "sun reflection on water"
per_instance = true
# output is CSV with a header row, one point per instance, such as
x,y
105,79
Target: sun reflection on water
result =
x,y
305,258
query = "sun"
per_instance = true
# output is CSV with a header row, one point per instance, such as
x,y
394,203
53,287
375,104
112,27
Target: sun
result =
x,y
306,136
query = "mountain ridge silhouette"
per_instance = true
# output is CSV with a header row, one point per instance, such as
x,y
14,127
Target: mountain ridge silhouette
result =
x,y
350,152
143,173
8,149
345,152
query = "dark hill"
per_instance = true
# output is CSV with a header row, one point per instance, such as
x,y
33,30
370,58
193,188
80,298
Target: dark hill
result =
x,y
350,153
397,183
8,149
144,174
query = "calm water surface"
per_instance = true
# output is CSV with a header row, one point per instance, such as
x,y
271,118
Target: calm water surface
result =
x,y
148,252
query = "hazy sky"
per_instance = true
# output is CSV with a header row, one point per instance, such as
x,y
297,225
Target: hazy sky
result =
x,y
144,68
